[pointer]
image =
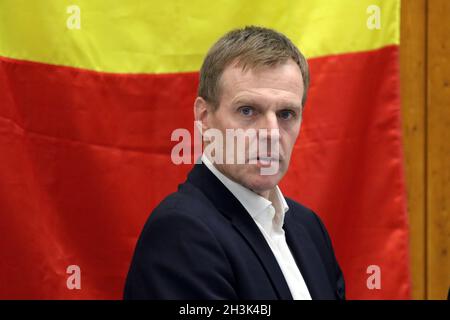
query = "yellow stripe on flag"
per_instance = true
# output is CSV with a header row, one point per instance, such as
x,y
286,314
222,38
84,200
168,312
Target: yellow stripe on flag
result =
x,y
137,36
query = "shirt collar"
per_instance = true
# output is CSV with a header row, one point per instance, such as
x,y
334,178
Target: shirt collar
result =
x,y
255,204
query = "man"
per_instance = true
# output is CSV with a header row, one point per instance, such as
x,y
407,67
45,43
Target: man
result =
x,y
228,232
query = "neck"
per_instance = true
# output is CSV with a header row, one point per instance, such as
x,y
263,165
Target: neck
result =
x,y
265,194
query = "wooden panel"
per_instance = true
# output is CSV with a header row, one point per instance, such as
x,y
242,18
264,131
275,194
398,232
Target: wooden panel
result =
x,y
413,89
438,145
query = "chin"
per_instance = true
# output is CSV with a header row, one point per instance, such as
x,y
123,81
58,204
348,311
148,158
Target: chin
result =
x,y
251,178
259,183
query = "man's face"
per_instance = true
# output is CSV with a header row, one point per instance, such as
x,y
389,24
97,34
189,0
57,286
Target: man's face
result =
x,y
264,98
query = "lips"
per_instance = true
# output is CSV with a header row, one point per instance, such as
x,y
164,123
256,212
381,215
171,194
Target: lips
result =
x,y
268,158
263,161
266,161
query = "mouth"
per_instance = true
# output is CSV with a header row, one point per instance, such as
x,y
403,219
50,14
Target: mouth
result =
x,y
264,161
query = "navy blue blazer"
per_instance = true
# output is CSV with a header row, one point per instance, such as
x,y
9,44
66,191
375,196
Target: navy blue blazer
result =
x,y
201,243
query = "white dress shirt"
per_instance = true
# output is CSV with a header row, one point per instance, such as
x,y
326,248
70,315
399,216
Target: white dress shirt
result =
x,y
269,217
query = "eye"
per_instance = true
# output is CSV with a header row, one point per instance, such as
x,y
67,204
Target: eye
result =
x,y
286,114
246,111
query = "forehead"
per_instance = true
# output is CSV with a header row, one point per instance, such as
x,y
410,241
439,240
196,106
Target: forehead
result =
x,y
279,81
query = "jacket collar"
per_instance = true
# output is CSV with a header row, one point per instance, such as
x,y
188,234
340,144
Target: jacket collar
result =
x,y
256,205
202,178
308,260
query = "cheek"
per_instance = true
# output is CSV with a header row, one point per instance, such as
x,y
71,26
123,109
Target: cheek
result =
x,y
290,137
287,142
220,118
226,117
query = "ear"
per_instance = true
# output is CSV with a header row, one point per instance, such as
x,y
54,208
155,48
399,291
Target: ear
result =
x,y
202,113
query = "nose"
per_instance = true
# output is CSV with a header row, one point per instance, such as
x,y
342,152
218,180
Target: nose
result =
x,y
269,134
270,121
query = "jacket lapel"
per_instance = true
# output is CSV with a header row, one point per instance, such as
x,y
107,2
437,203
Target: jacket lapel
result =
x,y
224,200
308,260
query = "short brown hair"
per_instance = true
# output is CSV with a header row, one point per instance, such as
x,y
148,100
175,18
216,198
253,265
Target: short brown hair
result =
x,y
250,47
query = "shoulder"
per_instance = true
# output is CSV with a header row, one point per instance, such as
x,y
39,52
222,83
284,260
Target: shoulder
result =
x,y
178,227
186,212
177,234
300,215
